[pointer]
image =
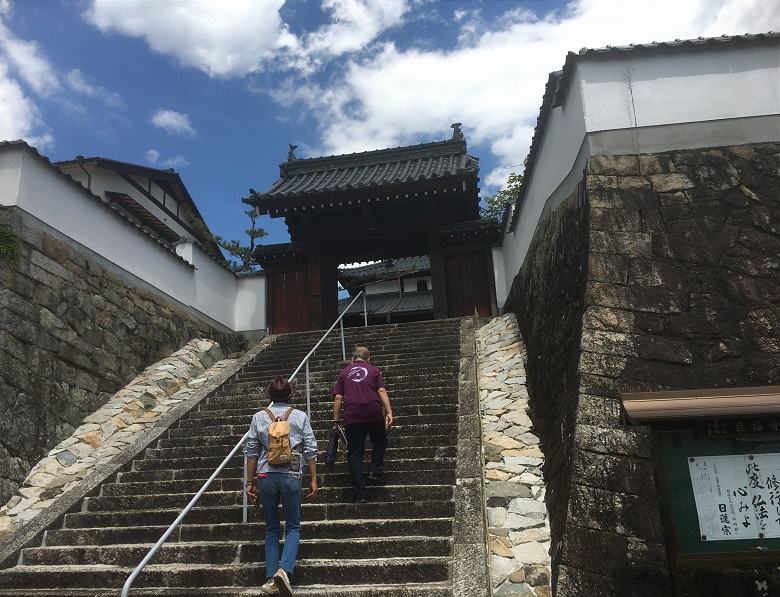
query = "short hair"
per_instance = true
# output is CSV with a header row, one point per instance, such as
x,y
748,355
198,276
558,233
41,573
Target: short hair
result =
x,y
361,352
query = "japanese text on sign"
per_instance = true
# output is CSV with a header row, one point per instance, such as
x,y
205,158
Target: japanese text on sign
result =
x,y
737,497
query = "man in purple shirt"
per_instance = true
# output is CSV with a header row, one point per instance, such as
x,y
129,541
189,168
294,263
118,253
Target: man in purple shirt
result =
x,y
360,392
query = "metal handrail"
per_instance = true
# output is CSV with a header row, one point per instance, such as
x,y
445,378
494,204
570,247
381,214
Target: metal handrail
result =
x,y
138,569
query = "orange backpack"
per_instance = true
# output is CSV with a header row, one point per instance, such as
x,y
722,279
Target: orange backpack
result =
x,y
279,451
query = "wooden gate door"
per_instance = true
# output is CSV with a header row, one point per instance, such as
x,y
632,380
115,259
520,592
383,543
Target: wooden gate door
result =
x,y
468,284
289,301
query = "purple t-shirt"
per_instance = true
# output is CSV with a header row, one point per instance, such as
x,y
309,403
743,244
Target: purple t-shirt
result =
x,y
358,383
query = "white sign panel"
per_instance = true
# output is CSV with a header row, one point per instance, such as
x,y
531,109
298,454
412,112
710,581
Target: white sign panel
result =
x,y
737,497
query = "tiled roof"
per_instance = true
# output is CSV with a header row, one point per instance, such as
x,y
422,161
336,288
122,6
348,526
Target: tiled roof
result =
x,y
390,268
281,250
388,303
558,82
680,43
371,169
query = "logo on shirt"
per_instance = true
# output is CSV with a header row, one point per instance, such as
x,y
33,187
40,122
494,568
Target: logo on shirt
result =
x,y
357,374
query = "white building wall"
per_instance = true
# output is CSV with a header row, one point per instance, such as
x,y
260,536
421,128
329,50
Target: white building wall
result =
x,y
380,287
203,286
410,284
101,180
681,99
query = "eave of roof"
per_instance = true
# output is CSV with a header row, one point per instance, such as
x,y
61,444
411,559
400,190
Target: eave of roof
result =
x,y
169,176
389,269
370,169
558,82
389,303
43,159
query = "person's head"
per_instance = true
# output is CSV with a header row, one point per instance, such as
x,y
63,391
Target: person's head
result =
x,y
361,353
280,390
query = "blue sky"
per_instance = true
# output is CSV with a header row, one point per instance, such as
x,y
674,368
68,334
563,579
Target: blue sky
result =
x,y
217,90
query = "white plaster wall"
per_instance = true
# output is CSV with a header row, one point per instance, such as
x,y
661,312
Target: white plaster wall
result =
x,y
207,288
410,284
102,180
683,99
499,270
250,303
380,287
556,157
680,87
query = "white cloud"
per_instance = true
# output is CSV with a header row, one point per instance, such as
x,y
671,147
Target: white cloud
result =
x,y
26,60
20,117
355,23
174,123
221,40
153,158
494,81
78,83
247,36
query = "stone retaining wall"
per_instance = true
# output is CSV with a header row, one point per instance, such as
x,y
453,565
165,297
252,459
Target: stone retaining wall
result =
x,y
115,425
518,533
72,332
663,275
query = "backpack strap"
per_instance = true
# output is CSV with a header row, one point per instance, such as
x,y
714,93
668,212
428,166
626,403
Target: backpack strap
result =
x,y
274,418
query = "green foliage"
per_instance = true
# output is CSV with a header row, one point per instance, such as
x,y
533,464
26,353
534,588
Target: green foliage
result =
x,y
10,246
494,206
241,254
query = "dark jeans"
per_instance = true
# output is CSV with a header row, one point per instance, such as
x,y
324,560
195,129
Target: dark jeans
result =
x,y
356,444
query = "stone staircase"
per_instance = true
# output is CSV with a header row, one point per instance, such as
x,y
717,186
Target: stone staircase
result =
x,y
403,543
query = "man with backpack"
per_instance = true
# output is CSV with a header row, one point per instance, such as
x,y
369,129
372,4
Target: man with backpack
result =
x,y
281,441
360,391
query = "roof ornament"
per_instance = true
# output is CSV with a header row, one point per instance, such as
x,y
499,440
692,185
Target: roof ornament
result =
x,y
290,155
456,132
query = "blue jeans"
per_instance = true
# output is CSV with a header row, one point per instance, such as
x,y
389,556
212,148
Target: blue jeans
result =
x,y
275,488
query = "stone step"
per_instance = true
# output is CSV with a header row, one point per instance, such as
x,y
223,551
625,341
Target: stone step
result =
x,y
241,415
390,366
321,520
393,452
236,483
344,529
251,403
434,589
227,552
323,473
307,572
331,495
184,458
402,434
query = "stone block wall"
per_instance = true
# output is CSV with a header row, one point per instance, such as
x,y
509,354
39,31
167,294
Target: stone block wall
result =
x,y
681,291
71,334
547,297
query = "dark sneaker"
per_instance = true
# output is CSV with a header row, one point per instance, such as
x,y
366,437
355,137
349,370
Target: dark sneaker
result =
x,y
283,583
375,479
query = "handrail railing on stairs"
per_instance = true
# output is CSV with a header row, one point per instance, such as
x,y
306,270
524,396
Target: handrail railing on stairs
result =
x,y
339,320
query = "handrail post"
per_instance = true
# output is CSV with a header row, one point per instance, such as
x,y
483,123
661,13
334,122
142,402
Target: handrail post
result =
x,y
365,310
308,392
246,499
343,346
